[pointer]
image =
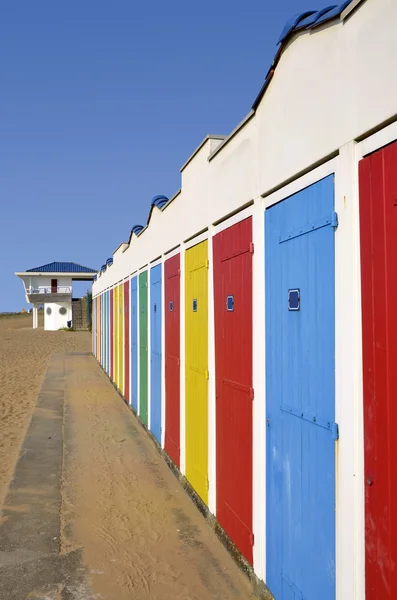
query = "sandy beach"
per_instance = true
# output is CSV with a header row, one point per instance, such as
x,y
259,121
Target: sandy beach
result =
x,y
89,507
24,355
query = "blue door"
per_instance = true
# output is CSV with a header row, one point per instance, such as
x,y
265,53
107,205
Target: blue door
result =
x,y
155,351
134,343
300,394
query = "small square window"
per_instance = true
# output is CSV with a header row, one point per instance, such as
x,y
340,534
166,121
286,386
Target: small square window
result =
x,y
294,299
230,303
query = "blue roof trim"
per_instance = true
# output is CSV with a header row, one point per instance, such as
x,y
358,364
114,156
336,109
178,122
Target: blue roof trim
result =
x,y
307,20
143,229
61,267
305,23
95,277
337,10
311,19
292,23
160,201
103,268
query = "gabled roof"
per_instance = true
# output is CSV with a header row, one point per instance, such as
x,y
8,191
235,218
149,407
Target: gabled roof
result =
x,y
62,267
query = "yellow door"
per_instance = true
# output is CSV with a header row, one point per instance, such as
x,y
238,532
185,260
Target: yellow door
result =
x,y
121,338
196,356
116,335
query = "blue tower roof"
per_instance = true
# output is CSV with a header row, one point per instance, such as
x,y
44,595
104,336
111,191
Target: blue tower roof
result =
x,y
62,267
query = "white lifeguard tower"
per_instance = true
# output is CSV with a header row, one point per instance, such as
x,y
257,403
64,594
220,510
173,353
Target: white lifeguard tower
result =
x,y
51,285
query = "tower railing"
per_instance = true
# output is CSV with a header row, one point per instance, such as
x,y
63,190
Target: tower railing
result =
x,y
48,289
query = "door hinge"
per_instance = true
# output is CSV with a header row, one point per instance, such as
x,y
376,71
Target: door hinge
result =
x,y
251,247
179,272
207,484
251,539
330,220
179,362
207,264
335,431
207,374
252,393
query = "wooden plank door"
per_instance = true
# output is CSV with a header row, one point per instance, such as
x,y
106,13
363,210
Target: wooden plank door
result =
x,y
127,341
99,329
111,341
378,234
155,350
143,348
121,339
134,343
94,327
108,332
196,360
234,394
116,335
104,330
301,431
172,317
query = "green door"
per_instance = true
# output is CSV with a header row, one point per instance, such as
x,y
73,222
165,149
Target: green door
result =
x,y
143,356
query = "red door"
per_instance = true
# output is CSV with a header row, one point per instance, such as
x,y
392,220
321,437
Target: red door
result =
x,y
127,340
98,320
111,336
378,234
172,356
54,286
94,326
234,395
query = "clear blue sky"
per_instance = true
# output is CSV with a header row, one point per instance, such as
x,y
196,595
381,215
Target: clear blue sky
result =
x,y
100,105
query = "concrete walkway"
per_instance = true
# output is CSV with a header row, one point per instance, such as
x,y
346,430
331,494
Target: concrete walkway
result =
x,y
93,511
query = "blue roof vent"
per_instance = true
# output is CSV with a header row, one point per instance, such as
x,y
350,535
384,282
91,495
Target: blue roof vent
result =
x,y
292,23
109,262
103,268
160,201
137,229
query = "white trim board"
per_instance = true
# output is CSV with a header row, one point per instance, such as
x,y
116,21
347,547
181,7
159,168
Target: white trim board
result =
x,y
328,168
